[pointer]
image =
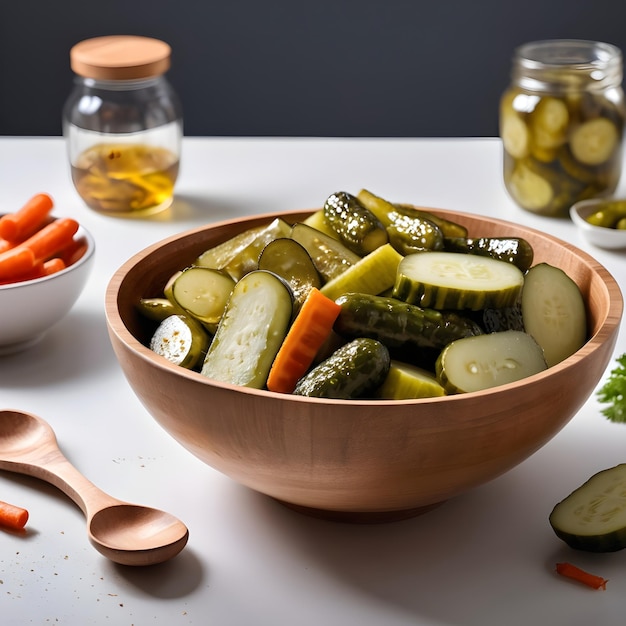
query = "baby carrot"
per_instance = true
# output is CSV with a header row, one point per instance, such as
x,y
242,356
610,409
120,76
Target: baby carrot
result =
x,y
12,516
575,573
16,262
27,220
52,266
53,237
5,245
308,332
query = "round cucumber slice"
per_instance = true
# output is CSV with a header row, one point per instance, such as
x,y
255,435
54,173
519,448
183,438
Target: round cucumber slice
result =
x,y
451,280
553,312
180,340
593,517
593,142
486,361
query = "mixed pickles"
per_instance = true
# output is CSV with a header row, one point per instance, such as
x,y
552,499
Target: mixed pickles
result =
x,y
560,148
423,309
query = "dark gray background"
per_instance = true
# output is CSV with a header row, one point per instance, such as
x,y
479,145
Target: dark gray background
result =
x,y
290,68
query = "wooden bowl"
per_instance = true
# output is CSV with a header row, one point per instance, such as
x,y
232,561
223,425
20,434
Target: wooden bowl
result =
x,y
358,460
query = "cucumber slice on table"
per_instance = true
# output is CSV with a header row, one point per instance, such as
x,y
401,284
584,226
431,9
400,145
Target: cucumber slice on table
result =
x,y
450,280
553,312
486,361
251,331
593,517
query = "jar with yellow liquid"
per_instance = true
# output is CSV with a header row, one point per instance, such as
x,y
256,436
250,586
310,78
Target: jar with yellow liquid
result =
x,y
123,125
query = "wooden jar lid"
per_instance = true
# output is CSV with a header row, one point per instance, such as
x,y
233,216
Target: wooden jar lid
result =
x,y
120,57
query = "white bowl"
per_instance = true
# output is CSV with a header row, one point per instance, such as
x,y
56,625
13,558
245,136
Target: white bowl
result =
x,y
608,238
30,308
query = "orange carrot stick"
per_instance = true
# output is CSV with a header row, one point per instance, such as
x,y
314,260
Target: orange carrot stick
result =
x,y
12,516
23,223
5,245
73,251
16,261
53,237
53,265
305,337
575,573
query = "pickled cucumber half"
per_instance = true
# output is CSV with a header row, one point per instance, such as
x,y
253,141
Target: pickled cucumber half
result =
x,y
593,517
251,331
450,280
486,361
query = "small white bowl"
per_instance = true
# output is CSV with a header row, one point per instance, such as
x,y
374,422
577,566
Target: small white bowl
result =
x,y
28,309
608,238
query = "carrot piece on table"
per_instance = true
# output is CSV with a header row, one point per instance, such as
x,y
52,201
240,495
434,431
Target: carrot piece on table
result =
x,y
27,220
12,516
307,334
16,262
575,573
53,237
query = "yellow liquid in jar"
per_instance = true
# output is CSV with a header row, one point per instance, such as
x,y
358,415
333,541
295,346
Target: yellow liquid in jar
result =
x,y
126,179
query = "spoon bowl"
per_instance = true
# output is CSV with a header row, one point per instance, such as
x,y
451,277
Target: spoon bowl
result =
x,y
128,534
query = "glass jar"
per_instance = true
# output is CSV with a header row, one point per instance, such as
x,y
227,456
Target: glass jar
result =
x,y
123,125
561,124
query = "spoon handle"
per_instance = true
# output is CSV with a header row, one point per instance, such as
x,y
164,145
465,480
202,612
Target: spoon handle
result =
x,y
48,463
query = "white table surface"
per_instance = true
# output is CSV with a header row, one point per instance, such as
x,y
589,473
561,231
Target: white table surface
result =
x,y
485,558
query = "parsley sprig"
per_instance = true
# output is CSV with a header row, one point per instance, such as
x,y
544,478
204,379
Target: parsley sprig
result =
x,y
613,392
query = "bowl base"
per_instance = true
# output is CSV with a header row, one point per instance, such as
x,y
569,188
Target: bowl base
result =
x,y
361,517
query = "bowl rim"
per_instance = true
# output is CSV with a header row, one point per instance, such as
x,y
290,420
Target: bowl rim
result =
x,y
607,331
81,233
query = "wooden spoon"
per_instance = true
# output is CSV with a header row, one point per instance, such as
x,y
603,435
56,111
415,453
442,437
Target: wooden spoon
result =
x,y
128,534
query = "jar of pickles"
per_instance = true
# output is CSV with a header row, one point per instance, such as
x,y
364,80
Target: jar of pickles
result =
x,y
123,125
561,124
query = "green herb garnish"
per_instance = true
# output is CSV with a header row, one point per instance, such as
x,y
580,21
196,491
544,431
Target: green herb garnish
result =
x,y
613,392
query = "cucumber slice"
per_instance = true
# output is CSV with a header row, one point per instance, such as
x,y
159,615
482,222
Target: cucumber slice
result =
x,y
251,331
156,309
594,142
486,361
405,381
372,274
203,293
181,340
329,255
593,517
529,189
549,122
514,134
553,312
288,259
450,280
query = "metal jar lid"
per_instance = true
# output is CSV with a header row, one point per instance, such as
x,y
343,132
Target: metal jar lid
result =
x,y
120,57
